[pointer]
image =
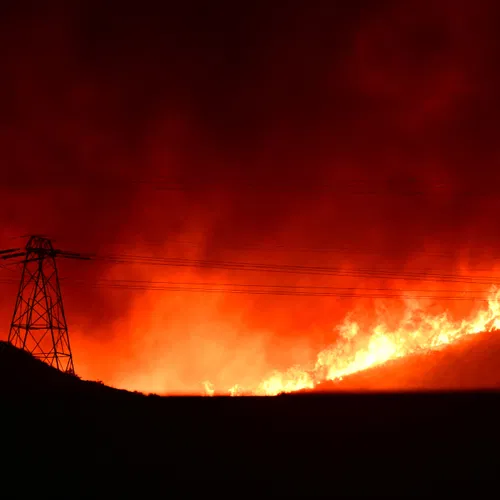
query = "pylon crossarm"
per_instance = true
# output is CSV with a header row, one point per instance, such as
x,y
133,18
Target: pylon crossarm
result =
x,y
72,255
10,250
13,255
34,259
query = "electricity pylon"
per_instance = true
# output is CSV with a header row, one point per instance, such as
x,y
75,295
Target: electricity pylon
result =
x,y
39,323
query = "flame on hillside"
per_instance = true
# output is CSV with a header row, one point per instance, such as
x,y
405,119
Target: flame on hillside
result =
x,y
356,351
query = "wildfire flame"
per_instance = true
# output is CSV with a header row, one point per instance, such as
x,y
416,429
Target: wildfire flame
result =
x,y
209,388
355,352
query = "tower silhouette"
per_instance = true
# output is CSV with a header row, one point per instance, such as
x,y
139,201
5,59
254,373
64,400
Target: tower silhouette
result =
x,y
39,322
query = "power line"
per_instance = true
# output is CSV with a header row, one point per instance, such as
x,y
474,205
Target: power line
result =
x,y
260,285
155,284
290,249
290,293
364,273
6,267
423,275
360,273
278,290
270,247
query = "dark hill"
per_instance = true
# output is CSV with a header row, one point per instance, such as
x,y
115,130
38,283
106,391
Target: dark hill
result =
x,y
59,430
472,363
19,371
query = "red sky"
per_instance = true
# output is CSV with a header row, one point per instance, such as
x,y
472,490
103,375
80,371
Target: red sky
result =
x,y
296,125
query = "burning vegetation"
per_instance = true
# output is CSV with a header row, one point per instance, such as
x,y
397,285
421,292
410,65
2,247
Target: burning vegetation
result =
x,y
356,352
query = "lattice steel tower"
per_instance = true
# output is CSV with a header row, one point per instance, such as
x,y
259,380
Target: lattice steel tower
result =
x,y
39,323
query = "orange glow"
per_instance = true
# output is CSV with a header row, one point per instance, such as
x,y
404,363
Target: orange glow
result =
x,y
355,353
193,345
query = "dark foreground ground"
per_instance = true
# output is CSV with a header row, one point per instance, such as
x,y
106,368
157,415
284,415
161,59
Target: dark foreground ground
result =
x,y
373,444
102,442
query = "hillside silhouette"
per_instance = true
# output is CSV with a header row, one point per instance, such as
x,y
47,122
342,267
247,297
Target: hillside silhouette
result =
x,y
21,372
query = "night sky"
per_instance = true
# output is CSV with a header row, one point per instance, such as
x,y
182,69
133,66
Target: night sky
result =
x,y
351,134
